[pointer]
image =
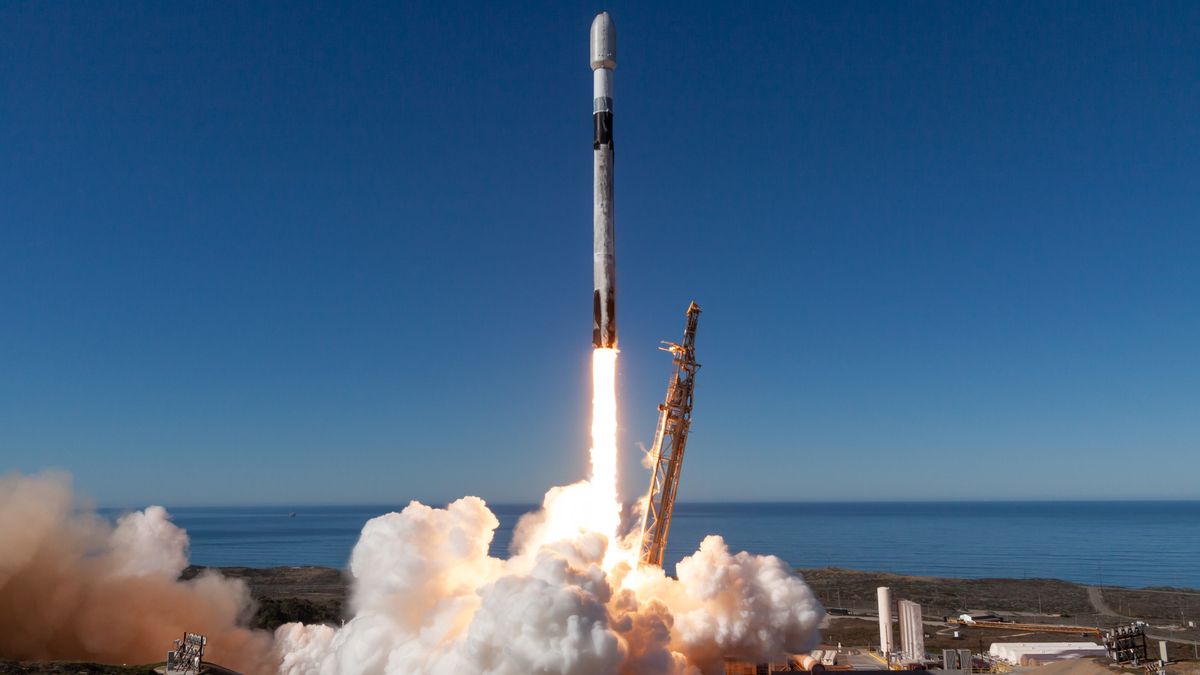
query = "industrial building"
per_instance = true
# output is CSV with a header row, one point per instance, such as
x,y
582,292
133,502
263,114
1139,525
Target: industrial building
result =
x,y
912,631
1041,653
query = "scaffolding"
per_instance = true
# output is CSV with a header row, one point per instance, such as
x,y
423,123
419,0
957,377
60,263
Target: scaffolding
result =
x,y
188,656
670,439
1127,644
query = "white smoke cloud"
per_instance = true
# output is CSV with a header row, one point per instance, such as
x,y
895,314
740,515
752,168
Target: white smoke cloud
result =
x,y
428,599
147,543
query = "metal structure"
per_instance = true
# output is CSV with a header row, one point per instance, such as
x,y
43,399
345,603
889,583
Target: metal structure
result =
x,y
188,655
603,58
670,439
1035,627
965,661
957,660
1127,644
912,631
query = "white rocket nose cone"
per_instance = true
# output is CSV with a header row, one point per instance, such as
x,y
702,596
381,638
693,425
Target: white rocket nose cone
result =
x,y
604,42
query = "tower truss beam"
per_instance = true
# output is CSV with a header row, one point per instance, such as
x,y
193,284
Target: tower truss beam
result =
x,y
670,440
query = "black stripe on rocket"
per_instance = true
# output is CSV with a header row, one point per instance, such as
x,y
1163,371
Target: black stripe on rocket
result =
x,y
603,123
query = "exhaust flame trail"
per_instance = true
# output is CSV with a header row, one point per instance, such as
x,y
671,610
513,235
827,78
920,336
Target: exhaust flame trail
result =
x,y
606,516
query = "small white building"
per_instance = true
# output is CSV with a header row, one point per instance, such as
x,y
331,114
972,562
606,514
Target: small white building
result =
x,y
1043,652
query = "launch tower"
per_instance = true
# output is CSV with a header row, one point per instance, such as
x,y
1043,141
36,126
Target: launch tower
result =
x,y
674,420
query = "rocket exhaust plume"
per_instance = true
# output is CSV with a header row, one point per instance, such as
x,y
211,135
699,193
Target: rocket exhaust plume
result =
x,y
604,444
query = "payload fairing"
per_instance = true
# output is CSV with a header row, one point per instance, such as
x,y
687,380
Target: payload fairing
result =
x,y
603,53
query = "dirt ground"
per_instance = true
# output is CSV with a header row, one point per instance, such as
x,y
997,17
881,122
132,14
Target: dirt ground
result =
x,y
1022,600
307,583
286,594
865,631
1048,599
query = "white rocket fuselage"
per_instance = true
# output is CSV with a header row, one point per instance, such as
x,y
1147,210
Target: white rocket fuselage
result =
x,y
603,53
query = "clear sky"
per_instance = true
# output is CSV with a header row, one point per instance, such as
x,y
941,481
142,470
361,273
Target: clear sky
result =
x,y
341,252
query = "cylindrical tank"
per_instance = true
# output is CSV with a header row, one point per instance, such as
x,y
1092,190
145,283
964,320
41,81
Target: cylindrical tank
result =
x,y
885,619
809,663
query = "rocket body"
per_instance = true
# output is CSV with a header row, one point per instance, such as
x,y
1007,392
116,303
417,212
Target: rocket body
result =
x,y
603,53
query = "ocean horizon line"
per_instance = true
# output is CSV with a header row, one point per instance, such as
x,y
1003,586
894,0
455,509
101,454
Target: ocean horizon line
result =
x,y
508,505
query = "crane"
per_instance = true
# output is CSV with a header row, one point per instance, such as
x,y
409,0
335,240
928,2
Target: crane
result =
x,y
670,438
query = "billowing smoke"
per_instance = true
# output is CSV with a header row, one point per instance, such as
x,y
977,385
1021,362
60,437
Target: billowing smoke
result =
x,y
428,599
572,598
74,587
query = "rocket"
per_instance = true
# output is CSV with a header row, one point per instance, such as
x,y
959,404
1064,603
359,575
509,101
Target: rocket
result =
x,y
603,55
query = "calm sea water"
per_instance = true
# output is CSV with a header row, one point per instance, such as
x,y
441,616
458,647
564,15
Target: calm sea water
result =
x,y
1122,543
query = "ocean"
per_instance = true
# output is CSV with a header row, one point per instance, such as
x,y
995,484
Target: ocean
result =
x,y
1117,543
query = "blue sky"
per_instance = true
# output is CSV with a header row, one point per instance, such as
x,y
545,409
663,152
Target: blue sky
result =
x,y
334,252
